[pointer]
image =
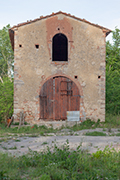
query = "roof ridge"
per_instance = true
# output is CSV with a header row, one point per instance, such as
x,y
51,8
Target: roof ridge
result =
x,y
67,14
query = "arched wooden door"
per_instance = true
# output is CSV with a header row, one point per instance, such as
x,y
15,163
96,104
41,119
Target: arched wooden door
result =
x,y
57,96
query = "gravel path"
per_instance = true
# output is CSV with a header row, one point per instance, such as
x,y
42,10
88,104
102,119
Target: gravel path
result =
x,y
21,145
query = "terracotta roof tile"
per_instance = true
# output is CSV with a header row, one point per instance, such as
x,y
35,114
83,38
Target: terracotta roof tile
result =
x,y
60,12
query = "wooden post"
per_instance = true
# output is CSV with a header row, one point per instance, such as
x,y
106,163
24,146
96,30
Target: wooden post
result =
x,y
22,119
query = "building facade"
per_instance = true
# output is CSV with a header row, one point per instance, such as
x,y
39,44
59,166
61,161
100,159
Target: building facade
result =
x,y
59,66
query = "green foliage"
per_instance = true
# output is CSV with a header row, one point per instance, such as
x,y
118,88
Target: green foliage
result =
x,y
95,133
113,74
32,131
88,124
6,53
118,134
112,121
6,71
6,99
62,163
3,176
45,177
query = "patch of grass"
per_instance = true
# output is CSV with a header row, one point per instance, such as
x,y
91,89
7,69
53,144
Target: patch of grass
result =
x,y
118,134
5,139
44,143
22,146
5,148
17,140
88,124
62,164
33,135
45,177
42,133
36,130
13,148
76,134
112,121
112,134
104,129
1,140
95,133
15,123
3,175
25,123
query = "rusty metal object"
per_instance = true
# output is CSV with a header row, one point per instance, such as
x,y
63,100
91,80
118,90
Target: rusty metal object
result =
x,y
9,121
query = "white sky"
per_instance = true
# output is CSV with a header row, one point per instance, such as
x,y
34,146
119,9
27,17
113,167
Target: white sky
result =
x,y
103,12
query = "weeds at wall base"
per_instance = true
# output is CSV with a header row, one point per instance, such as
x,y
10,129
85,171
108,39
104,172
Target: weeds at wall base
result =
x,y
35,130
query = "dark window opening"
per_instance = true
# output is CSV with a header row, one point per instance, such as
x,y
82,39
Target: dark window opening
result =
x,y
59,48
99,77
20,45
37,46
75,77
58,28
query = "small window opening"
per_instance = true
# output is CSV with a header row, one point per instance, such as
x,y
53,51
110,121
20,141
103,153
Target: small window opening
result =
x,y
59,47
20,45
75,77
99,77
58,28
37,46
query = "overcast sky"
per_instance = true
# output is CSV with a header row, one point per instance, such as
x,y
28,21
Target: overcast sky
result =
x,y
103,12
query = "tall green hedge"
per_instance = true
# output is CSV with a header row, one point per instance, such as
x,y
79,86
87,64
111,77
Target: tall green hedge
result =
x,y
113,74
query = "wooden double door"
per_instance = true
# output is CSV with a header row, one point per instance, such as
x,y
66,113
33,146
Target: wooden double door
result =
x,y
57,96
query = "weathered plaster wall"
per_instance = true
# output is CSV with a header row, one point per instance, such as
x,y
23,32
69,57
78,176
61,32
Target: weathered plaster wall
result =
x,y
86,60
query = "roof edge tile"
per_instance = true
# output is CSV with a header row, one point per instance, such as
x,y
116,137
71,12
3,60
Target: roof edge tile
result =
x,y
66,14
12,29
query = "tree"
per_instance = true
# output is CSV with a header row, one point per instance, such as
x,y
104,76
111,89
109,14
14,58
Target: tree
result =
x,y
113,74
6,53
6,70
6,99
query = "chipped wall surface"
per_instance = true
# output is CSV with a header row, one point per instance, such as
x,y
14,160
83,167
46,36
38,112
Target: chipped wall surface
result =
x,y
33,66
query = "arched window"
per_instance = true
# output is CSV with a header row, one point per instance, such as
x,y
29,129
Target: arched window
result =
x,y
59,48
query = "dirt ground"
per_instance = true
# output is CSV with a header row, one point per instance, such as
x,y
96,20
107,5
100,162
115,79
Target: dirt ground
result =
x,y
21,145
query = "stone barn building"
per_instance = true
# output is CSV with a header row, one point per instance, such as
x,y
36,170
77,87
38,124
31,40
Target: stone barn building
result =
x,y
59,66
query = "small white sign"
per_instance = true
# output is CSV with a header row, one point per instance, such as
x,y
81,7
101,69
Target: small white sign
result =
x,y
73,115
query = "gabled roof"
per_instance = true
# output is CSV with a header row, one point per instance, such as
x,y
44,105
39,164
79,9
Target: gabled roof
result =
x,y
11,30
